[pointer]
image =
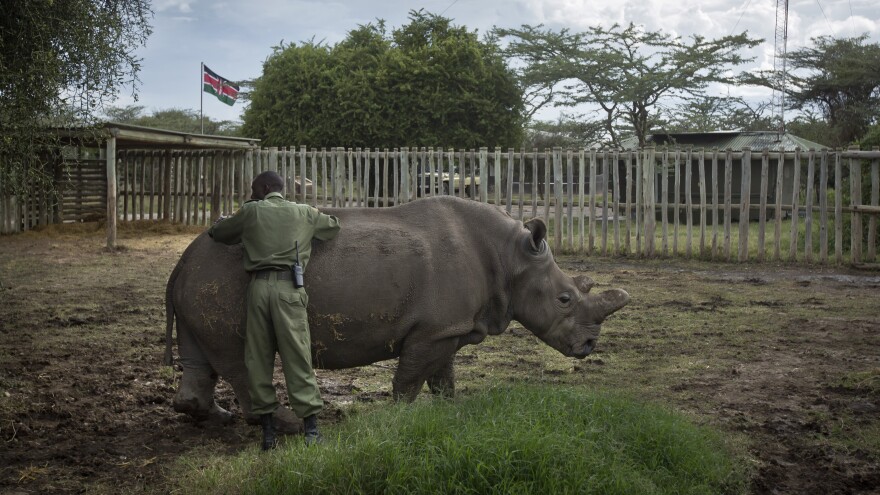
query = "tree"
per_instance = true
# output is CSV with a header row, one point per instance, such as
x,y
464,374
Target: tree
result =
x,y
812,127
428,83
172,119
714,113
840,79
60,61
628,73
568,131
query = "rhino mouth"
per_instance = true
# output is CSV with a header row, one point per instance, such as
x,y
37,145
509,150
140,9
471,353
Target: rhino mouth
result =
x,y
584,350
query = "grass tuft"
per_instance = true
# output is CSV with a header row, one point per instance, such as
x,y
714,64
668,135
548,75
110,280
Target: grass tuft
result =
x,y
511,439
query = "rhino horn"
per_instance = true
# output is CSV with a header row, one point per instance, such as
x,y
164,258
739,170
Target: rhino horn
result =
x,y
610,301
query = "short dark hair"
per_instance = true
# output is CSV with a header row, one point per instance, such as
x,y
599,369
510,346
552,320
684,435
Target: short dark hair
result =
x,y
270,179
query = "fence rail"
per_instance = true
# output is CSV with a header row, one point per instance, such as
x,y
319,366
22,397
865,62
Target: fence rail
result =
x,y
798,206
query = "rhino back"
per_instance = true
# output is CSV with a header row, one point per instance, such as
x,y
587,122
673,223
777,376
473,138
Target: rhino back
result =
x,y
427,266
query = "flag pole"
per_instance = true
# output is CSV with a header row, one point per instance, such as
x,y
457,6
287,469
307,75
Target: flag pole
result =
x,y
202,97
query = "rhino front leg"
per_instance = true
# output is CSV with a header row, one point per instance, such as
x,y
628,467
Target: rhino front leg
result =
x,y
442,382
418,362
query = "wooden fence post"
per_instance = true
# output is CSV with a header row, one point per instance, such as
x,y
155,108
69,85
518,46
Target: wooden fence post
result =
x,y
728,193
715,205
664,202
795,209
314,162
648,170
838,208
581,196
404,175
777,240
557,194
509,195
702,180
592,221
521,189
569,156
339,161
639,203
808,207
111,191
615,186
762,213
385,184
496,175
629,201
875,200
855,194
823,207
606,174
688,200
745,196
349,196
548,159
123,189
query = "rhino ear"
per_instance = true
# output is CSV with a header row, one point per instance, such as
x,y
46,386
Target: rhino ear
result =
x,y
538,230
584,283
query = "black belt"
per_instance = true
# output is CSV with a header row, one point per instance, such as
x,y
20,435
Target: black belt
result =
x,y
265,274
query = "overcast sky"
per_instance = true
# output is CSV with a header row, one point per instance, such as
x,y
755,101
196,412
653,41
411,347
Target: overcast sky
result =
x,y
234,38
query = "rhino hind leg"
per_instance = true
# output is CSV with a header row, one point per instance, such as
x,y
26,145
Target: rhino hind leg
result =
x,y
442,382
196,396
420,361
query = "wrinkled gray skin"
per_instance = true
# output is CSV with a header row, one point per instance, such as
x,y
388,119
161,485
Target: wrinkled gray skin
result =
x,y
415,282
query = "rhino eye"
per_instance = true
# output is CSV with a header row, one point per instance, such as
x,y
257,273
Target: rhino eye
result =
x,y
564,298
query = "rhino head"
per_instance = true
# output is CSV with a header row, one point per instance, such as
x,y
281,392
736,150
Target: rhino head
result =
x,y
557,308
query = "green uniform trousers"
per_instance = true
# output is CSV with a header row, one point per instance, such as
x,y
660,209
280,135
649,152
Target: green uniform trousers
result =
x,y
277,321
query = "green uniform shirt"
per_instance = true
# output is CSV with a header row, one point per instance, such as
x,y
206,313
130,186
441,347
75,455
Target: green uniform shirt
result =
x,y
270,230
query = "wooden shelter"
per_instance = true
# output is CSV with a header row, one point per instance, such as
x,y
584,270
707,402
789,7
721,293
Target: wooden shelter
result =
x,y
85,172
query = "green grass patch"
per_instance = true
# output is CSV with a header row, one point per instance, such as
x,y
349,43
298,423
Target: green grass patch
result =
x,y
868,381
510,439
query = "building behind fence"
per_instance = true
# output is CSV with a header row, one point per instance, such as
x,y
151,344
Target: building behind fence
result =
x,y
812,206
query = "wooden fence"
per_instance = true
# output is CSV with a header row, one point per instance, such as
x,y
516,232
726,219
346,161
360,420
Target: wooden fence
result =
x,y
800,206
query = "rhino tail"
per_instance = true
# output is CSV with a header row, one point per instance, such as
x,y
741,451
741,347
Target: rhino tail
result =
x,y
169,315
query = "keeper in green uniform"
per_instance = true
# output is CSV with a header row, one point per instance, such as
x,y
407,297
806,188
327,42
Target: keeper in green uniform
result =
x,y
270,229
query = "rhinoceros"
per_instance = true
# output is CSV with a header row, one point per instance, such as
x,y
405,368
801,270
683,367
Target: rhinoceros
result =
x,y
415,282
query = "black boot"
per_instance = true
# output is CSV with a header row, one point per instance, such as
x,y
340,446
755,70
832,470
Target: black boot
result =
x,y
269,441
310,424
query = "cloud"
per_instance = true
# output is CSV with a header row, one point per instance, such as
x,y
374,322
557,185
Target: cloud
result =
x,y
182,6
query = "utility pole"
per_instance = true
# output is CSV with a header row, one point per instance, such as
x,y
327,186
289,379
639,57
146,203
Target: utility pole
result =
x,y
779,69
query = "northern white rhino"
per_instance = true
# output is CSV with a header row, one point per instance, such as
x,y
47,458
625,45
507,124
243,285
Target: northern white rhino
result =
x,y
415,282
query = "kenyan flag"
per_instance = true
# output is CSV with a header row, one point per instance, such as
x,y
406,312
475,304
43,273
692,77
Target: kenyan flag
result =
x,y
224,90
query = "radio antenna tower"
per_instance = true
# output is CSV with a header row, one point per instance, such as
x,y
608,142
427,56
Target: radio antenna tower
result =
x,y
779,72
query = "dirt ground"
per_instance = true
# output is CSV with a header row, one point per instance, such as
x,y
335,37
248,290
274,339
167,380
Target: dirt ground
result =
x,y
787,358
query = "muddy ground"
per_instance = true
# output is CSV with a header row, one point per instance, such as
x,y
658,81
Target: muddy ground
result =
x,y
784,358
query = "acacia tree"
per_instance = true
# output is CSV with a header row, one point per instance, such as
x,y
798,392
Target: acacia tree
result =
x,y
59,62
627,72
714,113
839,78
174,119
428,83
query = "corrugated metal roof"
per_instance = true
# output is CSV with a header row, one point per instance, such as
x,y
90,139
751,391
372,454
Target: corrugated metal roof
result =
x,y
735,140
